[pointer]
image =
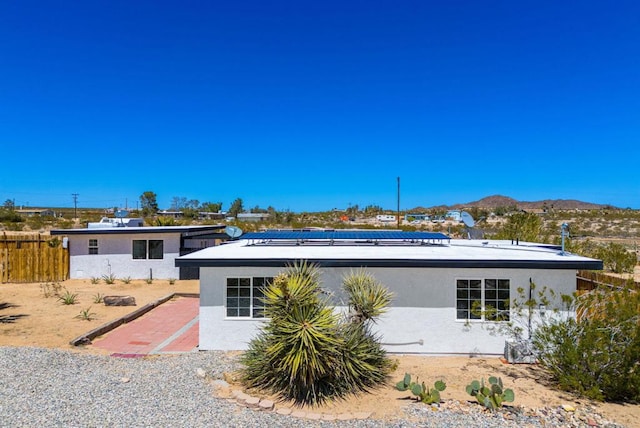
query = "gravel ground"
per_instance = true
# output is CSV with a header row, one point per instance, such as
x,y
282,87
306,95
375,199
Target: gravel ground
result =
x,y
47,388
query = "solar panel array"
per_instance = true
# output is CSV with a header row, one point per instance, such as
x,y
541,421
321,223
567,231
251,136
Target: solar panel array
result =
x,y
344,235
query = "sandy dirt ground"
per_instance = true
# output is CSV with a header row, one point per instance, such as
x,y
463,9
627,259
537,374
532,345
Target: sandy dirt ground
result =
x,y
46,322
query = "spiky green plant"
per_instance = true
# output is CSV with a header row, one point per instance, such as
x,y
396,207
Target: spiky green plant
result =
x,y
306,352
68,298
126,280
109,279
86,314
98,298
368,299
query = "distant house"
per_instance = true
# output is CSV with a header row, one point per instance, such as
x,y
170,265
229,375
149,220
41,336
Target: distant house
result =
x,y
437,282
134,251
253,217
31,212
454,215
385,218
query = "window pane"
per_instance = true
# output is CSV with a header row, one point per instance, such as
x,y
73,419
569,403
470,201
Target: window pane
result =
x,y
139,249
490,284
232,302
462,315
498,299
93,251
156,249
475,283
244,312
462,283
244,302
232,292
232,312
462,294
245,282
475,294
232,281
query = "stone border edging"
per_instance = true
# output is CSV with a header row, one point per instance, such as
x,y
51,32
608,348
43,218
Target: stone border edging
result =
x,y
86,338
256,403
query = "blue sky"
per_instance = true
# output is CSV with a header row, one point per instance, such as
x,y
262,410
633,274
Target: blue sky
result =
x,y
314,105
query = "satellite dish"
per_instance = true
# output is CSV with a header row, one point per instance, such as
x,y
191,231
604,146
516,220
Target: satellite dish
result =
x,y
121,213
233,231
467,219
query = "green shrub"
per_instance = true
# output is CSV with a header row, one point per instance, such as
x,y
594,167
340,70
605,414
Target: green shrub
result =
x,y
126,280
596,355
95,280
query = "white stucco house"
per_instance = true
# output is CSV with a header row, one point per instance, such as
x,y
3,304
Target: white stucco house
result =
x,y
137,252
435,280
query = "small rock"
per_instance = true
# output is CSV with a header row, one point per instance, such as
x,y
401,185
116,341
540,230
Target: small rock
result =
x,y
201,373
313,416
266,405
119,301
299,414
285,411
568,408
252,402
219,383
125,380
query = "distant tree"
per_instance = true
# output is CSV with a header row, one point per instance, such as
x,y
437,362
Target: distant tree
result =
x,y
212,207
236,207
148,203
9,204
521,226
257,209
177,203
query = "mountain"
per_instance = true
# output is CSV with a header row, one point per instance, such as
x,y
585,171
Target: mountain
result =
x,y
505,201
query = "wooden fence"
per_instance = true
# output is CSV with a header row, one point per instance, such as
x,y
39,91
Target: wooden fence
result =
x,y
589,280
32,258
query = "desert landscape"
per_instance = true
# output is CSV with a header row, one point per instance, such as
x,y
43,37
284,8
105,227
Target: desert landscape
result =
x,y
45,322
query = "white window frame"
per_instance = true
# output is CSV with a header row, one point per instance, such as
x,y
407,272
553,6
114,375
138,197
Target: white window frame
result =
x,y
483,300
253,296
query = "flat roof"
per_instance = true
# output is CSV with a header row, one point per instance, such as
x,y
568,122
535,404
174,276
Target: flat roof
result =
x,y
457,253
185,230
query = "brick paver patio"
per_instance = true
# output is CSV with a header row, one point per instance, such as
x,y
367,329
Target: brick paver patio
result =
x,y
172,327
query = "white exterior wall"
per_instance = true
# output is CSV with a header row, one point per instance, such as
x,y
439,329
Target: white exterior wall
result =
x,y
423,308
115,256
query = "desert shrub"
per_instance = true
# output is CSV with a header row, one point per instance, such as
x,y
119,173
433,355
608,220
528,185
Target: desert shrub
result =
x,y
596,355
616,258
51,289
307,352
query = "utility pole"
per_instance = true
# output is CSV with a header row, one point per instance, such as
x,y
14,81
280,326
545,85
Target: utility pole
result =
x,y
398,202
75,205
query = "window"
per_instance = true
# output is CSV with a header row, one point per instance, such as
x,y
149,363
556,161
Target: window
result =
x,y
153,248
486,299
139,249
93,246
244,297
156,249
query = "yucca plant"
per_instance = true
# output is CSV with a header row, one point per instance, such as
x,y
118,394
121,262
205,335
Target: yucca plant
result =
x,y
368,299
68,298
306,352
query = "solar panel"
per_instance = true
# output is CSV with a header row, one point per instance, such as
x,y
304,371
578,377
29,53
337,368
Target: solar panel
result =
x,y
345,235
